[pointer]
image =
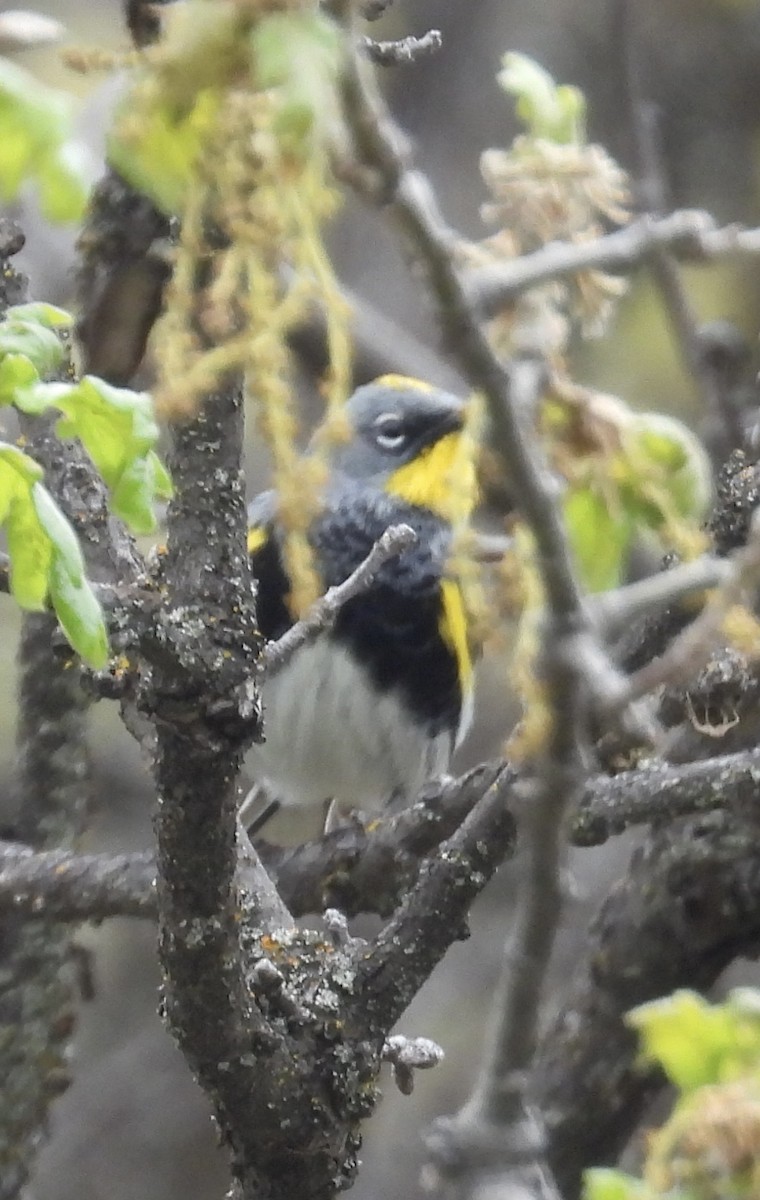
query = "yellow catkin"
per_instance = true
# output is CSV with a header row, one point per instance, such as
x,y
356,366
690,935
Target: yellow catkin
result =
x,y
742,630
533,731
265,208
711,1144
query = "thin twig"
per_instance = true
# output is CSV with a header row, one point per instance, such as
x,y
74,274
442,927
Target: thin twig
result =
x,y
690,650
322,615
509,395
653,191
691,235
373,10
614,610
403,50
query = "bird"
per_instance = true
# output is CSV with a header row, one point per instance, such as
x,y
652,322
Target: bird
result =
x,y
376,705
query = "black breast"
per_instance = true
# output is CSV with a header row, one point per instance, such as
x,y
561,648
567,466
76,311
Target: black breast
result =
x,y
393,628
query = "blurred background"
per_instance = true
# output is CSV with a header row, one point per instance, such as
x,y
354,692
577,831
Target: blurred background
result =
x,y
133,1126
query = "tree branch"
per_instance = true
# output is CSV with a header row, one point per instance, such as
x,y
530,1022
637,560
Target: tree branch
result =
x,y
404,50
52,795
688,906
691,235
65,886
691,648
659,793
434,913
322,615
353,868
359,869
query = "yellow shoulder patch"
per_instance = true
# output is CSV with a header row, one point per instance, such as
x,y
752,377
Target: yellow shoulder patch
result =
x,y
257,536
452,627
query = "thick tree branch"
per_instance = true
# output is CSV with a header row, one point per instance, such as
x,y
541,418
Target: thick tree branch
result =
x,y
688,906
369,870
353,868
52,795
659,793
66,886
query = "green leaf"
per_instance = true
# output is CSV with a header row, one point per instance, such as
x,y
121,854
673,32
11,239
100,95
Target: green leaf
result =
x,y
22,466
162,481
34,127
298,54
39,344
605,1184
59,532
118,430
17,373
156,146
134,495
39,313
28,547
600,537
30,554
46,560
698,1043
556,113
663,454
78,612
63,193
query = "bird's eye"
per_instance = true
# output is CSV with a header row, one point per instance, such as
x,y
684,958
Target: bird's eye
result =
x,y
389,431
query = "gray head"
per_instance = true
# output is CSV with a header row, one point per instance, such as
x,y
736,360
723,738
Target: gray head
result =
x,y
393,420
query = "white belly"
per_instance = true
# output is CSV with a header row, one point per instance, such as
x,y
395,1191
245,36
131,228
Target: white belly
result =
x,y
331,736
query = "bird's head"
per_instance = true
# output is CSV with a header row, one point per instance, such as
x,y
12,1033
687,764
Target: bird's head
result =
x,y
413,441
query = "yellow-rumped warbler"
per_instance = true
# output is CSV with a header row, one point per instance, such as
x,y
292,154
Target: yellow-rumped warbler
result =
x,y
376,705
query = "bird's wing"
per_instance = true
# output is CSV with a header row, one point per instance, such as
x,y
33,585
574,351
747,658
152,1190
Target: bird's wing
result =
x,y
273,613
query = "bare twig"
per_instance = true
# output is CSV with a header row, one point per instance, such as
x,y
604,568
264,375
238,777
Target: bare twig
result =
x,y
407,193
691,648
614,610
407,1055
661,793
403,50
692,341
321,616
76,887
373,10
691,235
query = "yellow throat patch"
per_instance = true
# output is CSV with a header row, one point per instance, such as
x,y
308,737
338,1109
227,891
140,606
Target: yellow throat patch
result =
x,y
442,478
